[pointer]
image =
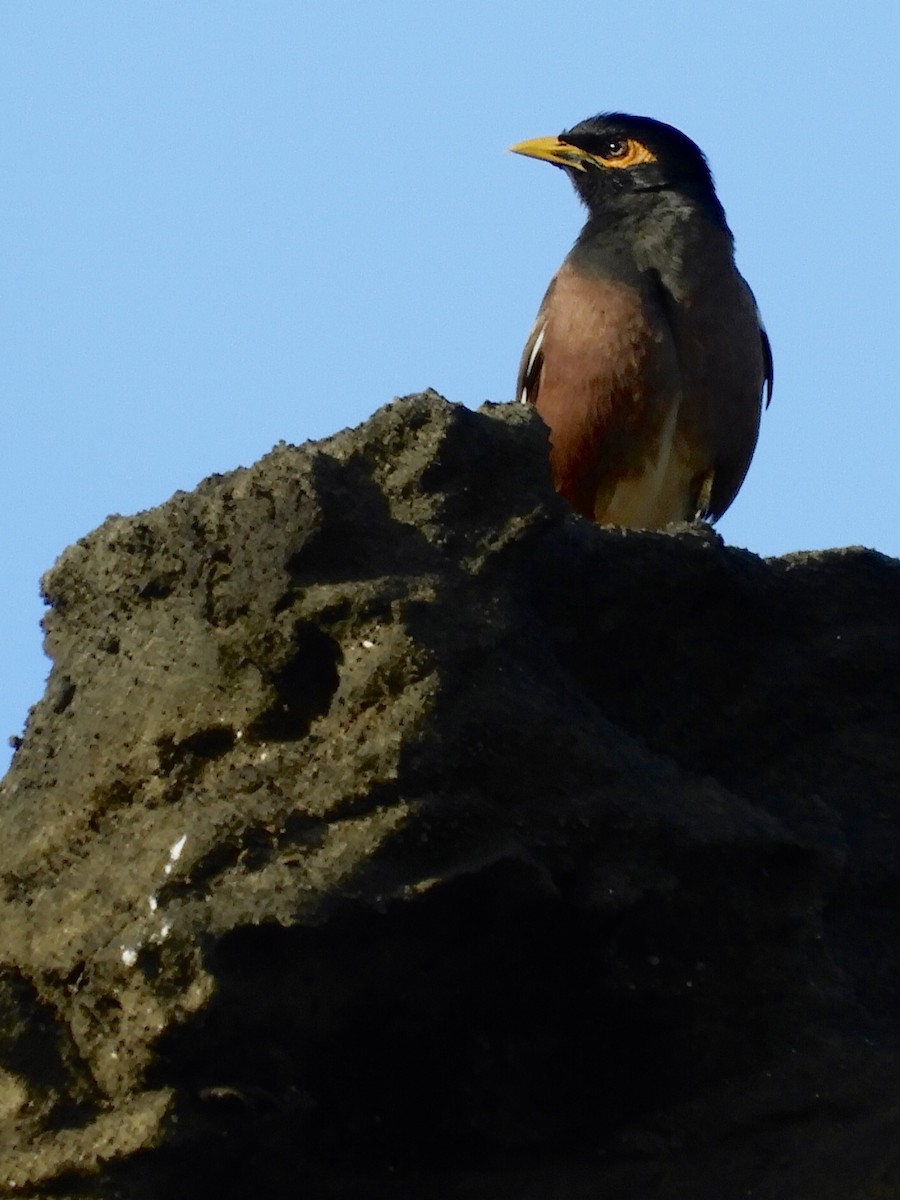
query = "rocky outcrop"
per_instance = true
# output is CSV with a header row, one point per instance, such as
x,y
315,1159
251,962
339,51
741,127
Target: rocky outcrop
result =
x,y
388,832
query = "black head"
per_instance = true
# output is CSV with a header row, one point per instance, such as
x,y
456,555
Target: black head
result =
x,y
614,156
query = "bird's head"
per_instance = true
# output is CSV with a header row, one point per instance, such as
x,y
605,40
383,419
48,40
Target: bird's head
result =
x,y
614,156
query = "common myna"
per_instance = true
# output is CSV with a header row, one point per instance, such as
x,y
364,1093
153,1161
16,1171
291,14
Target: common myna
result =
x,y
648,358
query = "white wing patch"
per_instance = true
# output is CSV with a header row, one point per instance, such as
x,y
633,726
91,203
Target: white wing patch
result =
x,y
530,365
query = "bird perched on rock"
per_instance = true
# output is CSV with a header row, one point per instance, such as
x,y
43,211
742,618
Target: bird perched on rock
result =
x,y
648,358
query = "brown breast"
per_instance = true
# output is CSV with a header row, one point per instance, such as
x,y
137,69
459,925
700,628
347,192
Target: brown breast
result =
x,y
604,376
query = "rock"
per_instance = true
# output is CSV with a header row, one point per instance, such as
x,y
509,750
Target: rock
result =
x,y
387,832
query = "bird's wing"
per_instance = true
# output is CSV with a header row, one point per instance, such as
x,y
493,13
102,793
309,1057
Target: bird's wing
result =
x,y
767,359
727,421
529,381
768,363
530,367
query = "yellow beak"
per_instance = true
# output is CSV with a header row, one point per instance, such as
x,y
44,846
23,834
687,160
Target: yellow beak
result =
x,y
552,150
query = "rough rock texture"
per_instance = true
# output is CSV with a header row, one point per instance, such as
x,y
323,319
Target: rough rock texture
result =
x,y
387,832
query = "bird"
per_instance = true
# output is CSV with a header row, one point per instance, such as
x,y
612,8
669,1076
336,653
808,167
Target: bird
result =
x,y
648,359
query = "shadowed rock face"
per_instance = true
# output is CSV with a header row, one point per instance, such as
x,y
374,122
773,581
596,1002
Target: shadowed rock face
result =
x,y
387,832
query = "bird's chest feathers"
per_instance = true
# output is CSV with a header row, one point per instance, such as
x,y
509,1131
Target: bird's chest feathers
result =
x,y
608,359
610,389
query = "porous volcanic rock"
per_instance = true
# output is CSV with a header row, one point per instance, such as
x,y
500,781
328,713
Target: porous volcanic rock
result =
x,y
387,832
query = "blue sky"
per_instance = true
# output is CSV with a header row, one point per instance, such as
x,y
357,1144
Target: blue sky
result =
x,y
223,224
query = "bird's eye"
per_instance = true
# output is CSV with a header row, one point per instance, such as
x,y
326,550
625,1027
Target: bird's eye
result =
x,y
624,152
616,148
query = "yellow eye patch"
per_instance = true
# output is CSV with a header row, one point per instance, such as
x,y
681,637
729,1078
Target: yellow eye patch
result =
x,y
632,153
